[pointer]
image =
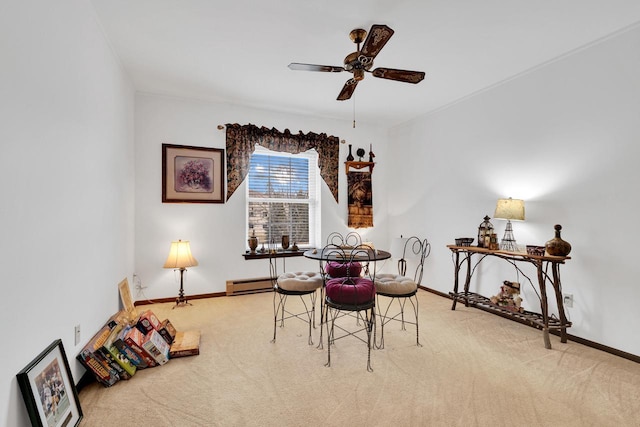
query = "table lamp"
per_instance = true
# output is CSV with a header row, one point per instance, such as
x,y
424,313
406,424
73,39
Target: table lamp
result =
x,y
180,258
509,209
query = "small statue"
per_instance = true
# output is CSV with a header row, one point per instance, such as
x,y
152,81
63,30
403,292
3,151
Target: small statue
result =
x,y
371,155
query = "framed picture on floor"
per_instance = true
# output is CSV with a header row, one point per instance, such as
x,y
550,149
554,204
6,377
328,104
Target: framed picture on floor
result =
x,y
48,389
192,174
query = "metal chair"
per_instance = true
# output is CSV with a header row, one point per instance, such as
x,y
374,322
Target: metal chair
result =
x,y
349,295
400,287
338,268
347,241
302,284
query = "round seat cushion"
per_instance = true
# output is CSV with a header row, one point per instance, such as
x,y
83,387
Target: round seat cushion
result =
x,y
343,269
350,290
395,284
300,281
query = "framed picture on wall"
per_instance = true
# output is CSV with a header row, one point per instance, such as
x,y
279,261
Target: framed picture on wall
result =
x,y
192,174
48,389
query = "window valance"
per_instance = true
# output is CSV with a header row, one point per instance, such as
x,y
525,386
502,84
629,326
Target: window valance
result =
x,y
242,139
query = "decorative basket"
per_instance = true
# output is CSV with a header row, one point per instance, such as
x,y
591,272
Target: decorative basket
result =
x,y
535,250
464,241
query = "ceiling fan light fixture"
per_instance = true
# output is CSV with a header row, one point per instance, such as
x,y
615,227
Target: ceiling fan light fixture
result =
x,y
357,36
351,61
358,74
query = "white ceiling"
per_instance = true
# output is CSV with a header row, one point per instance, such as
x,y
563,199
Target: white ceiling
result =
x,y
237,51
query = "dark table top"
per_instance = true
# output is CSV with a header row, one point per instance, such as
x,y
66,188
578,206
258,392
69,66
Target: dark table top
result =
x,y
342,255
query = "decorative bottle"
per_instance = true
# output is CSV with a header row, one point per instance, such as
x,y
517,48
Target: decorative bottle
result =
x,y
253,242
557,246
350,156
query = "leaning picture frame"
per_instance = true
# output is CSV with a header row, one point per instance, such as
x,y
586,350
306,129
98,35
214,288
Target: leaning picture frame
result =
x,y
48,389
192,174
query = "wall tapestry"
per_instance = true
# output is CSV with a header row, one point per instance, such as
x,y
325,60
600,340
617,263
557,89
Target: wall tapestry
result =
x,y
242,139
360,199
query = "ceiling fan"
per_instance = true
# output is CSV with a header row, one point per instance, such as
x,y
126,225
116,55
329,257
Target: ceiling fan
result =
x,y
362,60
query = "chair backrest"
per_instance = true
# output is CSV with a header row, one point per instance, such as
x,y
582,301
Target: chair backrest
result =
x,y
350,293
414,248
353,258
273,268
351,239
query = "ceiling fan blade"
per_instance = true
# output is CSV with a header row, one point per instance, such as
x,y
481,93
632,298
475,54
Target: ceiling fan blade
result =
x,y
347,90
399,75
378,36
312,67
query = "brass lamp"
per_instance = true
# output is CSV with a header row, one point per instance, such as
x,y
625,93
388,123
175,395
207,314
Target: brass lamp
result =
x,y
180,258
509,209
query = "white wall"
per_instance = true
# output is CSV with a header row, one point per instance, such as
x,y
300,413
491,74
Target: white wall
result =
x,y
217,231
564,138
66,170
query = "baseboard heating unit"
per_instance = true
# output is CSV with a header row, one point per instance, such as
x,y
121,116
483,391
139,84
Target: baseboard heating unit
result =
x,y
248,286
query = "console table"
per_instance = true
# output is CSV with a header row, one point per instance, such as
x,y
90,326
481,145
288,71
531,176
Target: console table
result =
x,y
462,255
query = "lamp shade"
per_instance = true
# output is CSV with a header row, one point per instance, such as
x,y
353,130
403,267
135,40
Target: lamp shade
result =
x,y
511,209
397,247
180,255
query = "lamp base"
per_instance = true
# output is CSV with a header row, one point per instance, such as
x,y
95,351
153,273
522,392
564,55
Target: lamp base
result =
x,y
181,300
181,303
508,242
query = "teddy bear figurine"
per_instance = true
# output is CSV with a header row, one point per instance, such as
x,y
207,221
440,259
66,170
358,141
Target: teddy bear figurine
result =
x,y
509,297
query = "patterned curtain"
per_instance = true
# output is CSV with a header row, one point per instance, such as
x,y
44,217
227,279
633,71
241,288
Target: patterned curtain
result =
x,y
242,139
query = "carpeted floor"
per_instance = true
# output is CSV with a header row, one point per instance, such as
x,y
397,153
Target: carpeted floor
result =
x,y
475,369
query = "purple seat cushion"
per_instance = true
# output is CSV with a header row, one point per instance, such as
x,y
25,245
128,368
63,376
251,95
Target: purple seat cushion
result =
x,y
343,269
350,290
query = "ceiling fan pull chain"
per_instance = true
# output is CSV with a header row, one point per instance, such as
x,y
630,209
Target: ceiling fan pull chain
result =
x,y
354,112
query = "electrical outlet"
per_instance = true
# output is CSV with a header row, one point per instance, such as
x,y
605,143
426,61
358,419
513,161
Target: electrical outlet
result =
x,y
568,300
77,334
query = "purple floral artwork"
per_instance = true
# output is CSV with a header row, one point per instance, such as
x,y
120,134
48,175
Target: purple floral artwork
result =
x,y
193,174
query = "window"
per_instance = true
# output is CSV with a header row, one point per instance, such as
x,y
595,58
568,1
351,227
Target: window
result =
x,y
283,197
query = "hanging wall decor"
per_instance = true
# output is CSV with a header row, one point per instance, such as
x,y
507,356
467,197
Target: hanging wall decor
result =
x,y
360,199
360,193
192,174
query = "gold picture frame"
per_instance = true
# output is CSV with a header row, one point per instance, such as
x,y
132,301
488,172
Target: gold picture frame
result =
x,y
127,299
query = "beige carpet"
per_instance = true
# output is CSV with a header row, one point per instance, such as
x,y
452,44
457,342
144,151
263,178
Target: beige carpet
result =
x,y
475,369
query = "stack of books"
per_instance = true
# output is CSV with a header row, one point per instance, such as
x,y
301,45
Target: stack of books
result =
x,y
124,345
130,341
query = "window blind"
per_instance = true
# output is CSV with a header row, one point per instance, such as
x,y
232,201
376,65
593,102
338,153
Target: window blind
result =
x,y
283,197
